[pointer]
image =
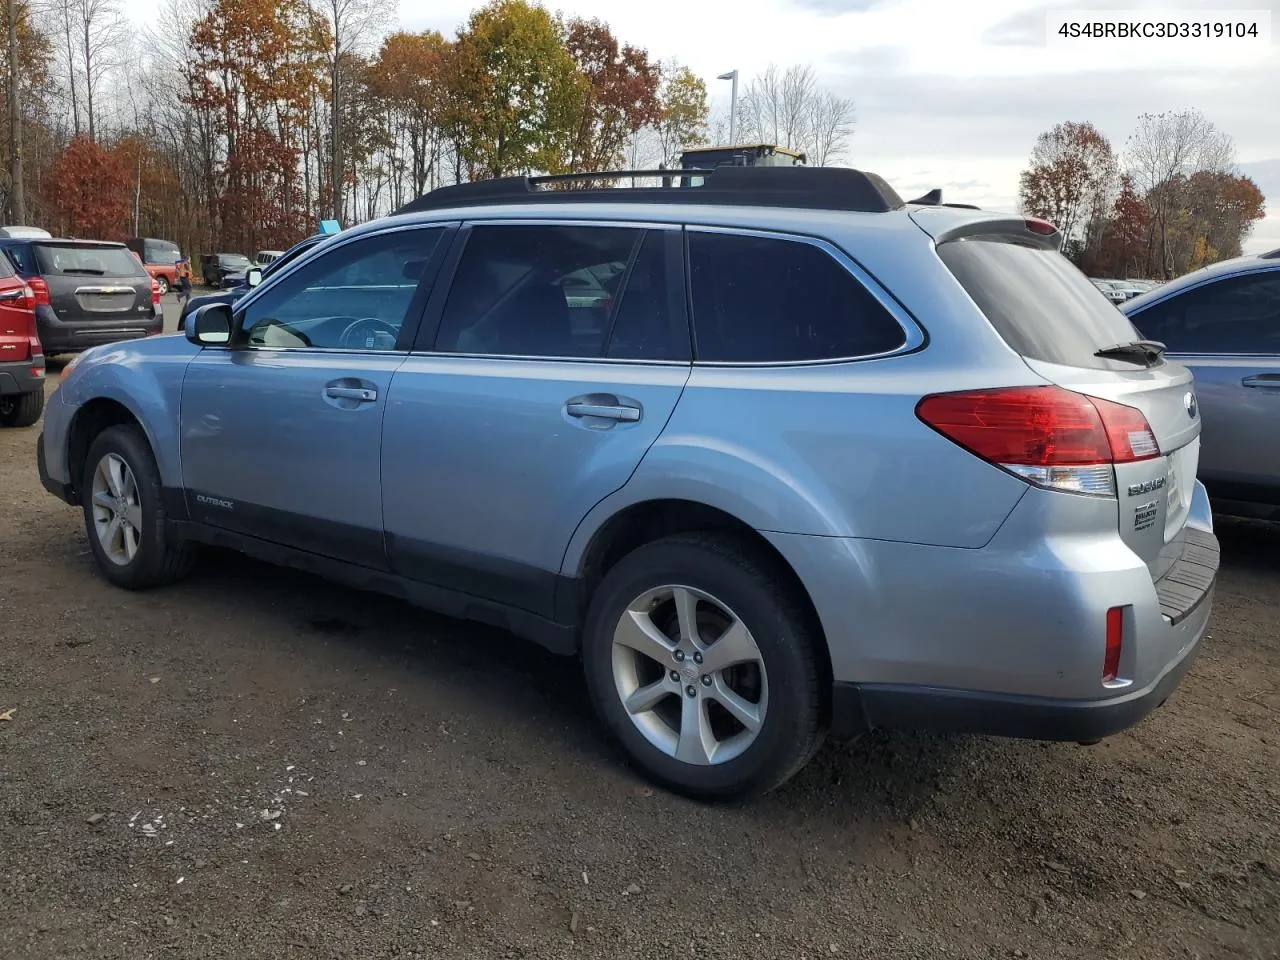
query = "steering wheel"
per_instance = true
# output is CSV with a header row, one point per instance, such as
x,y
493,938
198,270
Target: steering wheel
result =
x,y
363,334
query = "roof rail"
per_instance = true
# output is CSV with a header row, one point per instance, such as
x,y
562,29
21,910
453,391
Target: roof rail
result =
x,y
812,188
1270,254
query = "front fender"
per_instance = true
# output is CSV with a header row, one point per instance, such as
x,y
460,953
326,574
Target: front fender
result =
x,y
144,377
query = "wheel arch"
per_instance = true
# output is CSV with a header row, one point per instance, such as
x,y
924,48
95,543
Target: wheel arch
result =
x,y
636,524
89,421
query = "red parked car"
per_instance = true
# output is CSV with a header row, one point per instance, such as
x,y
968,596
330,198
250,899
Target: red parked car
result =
x,y
21,359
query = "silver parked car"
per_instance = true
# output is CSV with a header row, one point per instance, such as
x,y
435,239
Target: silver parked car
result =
x,y
795,457
1223,322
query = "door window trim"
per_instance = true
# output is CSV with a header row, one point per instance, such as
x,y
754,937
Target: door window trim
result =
x,y
429,330
915,336
413,313
1200,285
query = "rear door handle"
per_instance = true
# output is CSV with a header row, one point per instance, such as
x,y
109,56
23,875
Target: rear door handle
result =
x,y
1263,380
363,394
606,411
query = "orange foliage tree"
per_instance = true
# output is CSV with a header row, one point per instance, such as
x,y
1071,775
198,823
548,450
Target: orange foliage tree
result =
x,y
88,191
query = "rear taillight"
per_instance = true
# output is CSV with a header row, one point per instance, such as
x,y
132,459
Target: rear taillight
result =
x,y
1115,643
1049,436
40,290
155,291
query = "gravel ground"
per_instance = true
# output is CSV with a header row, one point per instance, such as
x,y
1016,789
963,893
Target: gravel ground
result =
x,y
257,764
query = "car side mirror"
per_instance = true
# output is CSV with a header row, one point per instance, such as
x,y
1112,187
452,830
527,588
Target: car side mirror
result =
x,y
209,325
253,277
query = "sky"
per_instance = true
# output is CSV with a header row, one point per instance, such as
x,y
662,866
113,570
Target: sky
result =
x,y
952,93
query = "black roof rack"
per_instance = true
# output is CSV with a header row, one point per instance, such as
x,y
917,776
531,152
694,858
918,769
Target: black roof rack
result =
x,y
934,199
813,188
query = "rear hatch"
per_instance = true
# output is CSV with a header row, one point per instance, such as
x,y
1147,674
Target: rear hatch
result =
x,y
94,282
17,323
1070,334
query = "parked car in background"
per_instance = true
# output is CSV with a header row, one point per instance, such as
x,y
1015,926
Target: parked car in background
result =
x,y
24,233
815,460
1223,322
160,257
21,356
233,293
86,292
216,268
1114,290
264,257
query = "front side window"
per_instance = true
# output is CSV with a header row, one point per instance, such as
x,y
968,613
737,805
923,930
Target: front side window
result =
x,y
354,297
537,291
1232,315
773,300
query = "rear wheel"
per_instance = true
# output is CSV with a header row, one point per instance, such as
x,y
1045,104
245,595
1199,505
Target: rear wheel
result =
x,y
704,667
124,513
163,283
22,409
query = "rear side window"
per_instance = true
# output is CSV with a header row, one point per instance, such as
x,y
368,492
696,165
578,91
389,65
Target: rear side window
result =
x,y
771,300
22,257
6,266
1234,315
1038,301
87,261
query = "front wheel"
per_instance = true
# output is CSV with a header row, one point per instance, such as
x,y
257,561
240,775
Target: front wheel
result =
x,y
704,667
163,283
21,410
124,513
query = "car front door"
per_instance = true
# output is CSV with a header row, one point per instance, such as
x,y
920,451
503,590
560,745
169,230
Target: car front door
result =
x,y
531,395
281,430
1228,332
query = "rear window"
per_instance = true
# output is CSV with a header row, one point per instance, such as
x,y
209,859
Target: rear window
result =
x,y
233,260
161,251
1038,301
87,261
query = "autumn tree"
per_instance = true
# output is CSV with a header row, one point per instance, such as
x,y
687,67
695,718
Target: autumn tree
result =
x,y
253,72
1163,153
517,94
682,113
1070,179
408,79
32,53
620,95
88,191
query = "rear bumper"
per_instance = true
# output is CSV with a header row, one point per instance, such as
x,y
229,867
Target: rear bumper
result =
x,y
21,376
859,708
72,336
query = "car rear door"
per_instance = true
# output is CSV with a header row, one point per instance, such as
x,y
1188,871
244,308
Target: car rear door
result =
x,y
533,402
1227,331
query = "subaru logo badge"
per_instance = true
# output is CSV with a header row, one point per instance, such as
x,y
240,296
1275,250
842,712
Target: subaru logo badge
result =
x,y
1189,401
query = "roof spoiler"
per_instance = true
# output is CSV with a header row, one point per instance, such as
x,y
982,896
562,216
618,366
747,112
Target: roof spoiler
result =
x,y
934,199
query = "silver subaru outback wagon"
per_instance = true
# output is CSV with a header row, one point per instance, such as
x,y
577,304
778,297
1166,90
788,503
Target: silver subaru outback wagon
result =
x,y
776,456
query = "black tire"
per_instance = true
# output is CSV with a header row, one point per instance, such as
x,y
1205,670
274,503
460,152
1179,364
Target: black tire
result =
x,y
736,573
160,559
21,410
163,283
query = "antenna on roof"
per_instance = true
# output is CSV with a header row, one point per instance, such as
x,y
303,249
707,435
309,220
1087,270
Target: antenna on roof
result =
x,y
931,199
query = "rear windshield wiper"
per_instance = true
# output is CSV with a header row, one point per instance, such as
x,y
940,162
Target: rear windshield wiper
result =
x,y
1148,351
86,270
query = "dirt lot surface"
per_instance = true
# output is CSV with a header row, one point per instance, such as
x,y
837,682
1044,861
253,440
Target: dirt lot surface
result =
x,y
256,764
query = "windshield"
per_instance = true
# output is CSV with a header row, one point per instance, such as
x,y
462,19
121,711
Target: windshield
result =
x,y
162,251
87,261
1038,301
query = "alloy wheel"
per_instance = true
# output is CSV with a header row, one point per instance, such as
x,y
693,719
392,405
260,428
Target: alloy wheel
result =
x,y
117,511
690,675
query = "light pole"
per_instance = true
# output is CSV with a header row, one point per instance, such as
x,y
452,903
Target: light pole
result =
x,y
733,104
